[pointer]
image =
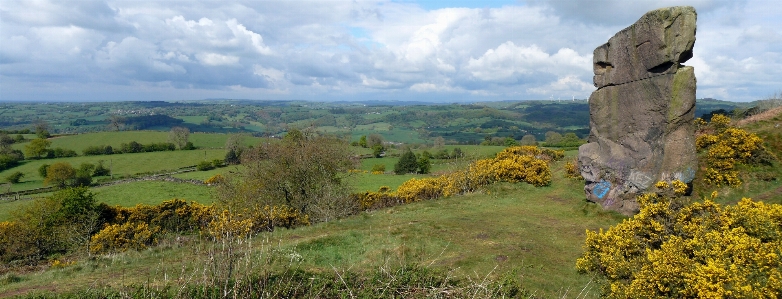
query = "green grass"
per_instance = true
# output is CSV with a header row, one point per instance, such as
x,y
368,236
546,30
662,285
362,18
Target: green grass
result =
x,y
151,193
371,182
81,141
122,165
538,231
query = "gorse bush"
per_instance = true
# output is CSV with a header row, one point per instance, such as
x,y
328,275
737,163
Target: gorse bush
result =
x,y
138,227
119,238
727,146
514,164
671,249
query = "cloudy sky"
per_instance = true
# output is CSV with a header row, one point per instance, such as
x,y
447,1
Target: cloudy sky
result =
x,y
419,50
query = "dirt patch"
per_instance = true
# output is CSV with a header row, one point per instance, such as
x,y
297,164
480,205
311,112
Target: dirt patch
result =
x,y
501,258
482,236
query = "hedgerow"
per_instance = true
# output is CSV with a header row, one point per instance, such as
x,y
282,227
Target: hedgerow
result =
x,y
671,249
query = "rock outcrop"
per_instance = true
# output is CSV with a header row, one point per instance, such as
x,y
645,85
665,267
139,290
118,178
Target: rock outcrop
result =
x,y
641,115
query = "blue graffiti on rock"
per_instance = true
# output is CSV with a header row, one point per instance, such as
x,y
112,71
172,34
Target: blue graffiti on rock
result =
x,y
601,189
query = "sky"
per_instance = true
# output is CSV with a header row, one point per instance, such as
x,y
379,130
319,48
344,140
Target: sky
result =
x,y
359,50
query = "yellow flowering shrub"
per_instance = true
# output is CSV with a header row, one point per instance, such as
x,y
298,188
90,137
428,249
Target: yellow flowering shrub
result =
x,y
119,238
514,164
719,122
229,226
571,170
174,215
421,189
215,179
726,146
700,250
270,217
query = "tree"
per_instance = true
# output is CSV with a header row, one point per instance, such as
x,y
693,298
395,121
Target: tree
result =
x,y
424,164
553,138
60,174
5,142
15,177
179,136
116,122
83,175
101,170
529,139
235,142
457,153
42,129
439,141
42,170
374,140
234,146
509,141
304,171
363,141
407,163
571,139
377,150
37,148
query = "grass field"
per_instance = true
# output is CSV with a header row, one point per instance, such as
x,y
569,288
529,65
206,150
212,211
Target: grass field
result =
x,y
81,141
151,193
122,165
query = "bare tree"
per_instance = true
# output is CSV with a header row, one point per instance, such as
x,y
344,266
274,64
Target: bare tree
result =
x,y
179,136
374,139
116,122
439,141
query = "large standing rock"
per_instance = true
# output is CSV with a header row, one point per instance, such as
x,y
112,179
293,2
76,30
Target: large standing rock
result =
x,y
641,115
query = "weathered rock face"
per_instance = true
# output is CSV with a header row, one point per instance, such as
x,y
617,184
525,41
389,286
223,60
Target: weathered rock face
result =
x,y
641,115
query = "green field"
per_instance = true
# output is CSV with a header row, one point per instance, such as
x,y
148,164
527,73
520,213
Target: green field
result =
x,y
81,141
151,193
121,165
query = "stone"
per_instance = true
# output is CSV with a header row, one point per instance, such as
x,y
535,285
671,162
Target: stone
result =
x,y
641,115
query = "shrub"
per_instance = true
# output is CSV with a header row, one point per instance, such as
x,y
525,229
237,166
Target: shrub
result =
x,y
571,170
701,250
727,146
204,166
424,164
60,174
514,164
61,153
119,238
10,159
101,170
217,163
15,177
215,179
378,169
407,163
43,169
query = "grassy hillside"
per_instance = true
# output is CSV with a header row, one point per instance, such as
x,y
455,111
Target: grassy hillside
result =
x,y
535,231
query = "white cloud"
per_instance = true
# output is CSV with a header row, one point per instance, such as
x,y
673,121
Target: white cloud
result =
x,y
214,59
565,85
361,49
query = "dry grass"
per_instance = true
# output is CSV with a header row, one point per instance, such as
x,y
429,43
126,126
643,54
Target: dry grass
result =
x,y
760,117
